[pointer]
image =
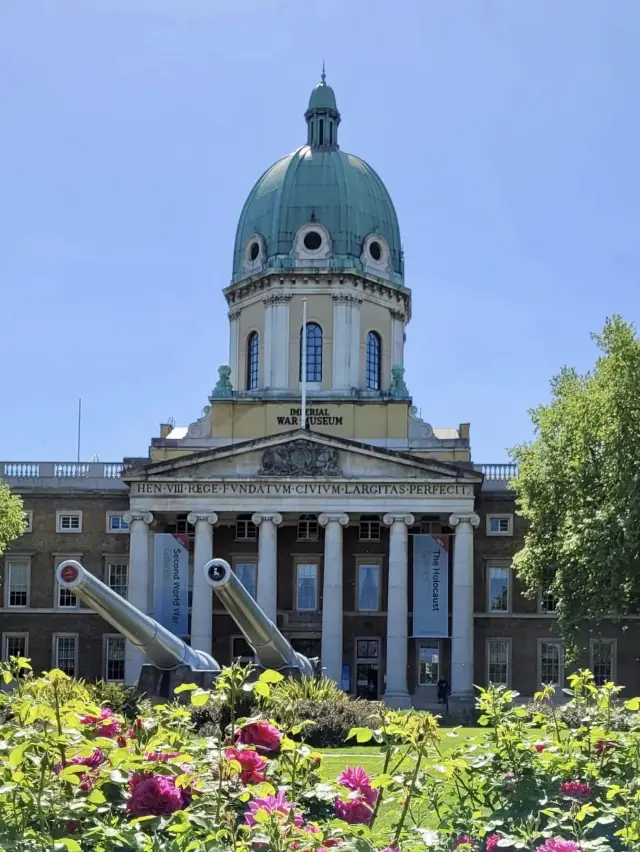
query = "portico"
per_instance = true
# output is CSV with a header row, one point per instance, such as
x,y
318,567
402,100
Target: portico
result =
x,y
359,506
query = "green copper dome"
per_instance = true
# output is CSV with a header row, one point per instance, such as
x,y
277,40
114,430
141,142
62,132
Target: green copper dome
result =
x,y
323,190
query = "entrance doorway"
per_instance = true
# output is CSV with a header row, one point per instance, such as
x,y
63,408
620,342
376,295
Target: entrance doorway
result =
x,y
368,668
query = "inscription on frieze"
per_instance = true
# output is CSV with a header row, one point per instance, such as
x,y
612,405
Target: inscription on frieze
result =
x,y
300,458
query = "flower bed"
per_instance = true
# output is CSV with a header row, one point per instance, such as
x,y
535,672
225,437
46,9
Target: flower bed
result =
x,y
78,776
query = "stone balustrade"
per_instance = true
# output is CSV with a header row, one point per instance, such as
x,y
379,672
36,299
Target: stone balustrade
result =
x,y
22,474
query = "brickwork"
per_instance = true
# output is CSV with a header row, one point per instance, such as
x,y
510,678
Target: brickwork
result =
x,y
523,625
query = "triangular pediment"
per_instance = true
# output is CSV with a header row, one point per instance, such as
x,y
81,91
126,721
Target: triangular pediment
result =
x,y
302,455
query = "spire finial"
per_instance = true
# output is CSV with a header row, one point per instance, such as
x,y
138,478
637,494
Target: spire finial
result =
x,y
323,76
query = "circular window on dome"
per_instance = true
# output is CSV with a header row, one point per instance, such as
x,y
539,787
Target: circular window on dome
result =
x,y
254,251
312,240
375,250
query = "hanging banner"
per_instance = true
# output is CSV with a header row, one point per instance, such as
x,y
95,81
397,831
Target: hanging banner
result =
x,y
430,586
171,583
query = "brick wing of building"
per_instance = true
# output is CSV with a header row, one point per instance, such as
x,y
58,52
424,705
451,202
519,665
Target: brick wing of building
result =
x,y
370,536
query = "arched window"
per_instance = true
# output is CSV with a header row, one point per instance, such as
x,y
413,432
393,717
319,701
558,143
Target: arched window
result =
x,y
314,352
252,361
374,353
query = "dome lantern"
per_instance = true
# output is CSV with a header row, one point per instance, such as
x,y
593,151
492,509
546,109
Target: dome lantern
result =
x,y
322,116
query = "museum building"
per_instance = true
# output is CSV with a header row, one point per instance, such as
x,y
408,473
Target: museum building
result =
x,y
370,537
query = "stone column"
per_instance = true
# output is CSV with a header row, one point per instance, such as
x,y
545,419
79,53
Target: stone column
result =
x,y
138,584
462,607
396,692
346,342
202,602
276,341
397,338
234,349
268,562
332,595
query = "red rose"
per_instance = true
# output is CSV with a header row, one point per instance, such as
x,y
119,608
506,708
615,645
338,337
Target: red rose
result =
x,y
261,735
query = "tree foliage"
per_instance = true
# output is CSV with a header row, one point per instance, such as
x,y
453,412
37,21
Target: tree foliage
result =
x,y
12,520
578,486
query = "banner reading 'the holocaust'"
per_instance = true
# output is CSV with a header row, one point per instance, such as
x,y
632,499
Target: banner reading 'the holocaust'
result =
x,y
430,587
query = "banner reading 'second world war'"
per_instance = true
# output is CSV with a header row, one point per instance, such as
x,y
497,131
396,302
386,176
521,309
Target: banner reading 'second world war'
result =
x,y
171,583
430,587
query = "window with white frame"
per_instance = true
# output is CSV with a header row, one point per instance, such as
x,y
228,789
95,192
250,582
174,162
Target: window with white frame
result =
x,y
369,528
118,577
65,653
17,577
499,524
114,658
498,661
498,581
547,601
69,522
116,523
246,530
307,528
368,587
603,660
550,662
428,663
306,587
28,516
65,598
247,573
14,645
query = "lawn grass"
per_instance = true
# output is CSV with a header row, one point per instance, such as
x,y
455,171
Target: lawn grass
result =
x,y
369,757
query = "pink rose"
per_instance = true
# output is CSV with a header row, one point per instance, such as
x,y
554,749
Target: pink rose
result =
x,y
252,764
576,789
491,842
261,735
154,795
539,747
161,756
272,805
108,725
556,844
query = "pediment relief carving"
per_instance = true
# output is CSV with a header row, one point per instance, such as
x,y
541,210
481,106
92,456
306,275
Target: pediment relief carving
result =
x,y
301,458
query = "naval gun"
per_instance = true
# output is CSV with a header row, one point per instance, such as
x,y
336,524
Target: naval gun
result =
x,y
169,661
271,649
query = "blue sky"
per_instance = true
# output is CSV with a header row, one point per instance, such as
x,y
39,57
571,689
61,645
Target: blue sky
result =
x,y
507,132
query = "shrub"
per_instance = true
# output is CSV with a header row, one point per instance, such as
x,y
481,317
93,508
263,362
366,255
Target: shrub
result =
x,y
332,719
307,689
119,698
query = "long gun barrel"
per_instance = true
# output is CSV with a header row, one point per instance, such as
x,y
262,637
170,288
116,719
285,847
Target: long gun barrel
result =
x,y
271,649
163,649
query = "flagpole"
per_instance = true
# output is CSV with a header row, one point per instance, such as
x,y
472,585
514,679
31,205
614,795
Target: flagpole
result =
x,y
79,427
303,409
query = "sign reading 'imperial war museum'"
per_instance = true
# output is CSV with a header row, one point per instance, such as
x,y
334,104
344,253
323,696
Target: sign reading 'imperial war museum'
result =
x,y
430,587
171,583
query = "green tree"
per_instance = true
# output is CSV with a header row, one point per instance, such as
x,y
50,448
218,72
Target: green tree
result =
x,y
12,520
578,486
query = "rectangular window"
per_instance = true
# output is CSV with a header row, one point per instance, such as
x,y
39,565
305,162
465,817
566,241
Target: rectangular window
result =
x,y
428,663
499,524
369,528
550,662
65,598
247,573
69,522
306,645
499,580
368,587
17,582
116,523
28,516
14,645
118,577
114,658
367,649
547,601
246,530
306,587
498,661
65,653
308,528
241,650
603,659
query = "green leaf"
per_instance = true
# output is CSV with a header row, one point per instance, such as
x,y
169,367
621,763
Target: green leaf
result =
x,y
16,755
185,687
262,688
68,843
269,676
199,698
96,797
632,704
7,677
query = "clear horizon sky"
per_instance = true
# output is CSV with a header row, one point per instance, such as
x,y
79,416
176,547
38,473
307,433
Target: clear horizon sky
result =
x,y
506,131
